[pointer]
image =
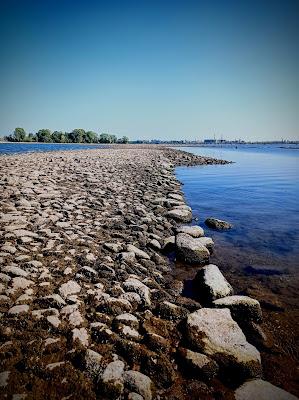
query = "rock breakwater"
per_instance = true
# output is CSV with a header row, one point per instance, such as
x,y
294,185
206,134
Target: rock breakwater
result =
x,y
87,307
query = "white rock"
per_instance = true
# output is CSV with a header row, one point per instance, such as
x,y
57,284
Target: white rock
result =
x,y
259,389
70,287
81,335
53,320
134,285
211,284
9,249
191,250
214,333
139,253
93,363
10,269
194,231
128,319
16,310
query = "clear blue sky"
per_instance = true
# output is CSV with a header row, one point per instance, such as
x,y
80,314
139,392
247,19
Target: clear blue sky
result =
x,y
151,69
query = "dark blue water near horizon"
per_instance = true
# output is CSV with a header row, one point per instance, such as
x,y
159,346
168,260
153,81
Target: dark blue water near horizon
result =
x,y
258,194
13,148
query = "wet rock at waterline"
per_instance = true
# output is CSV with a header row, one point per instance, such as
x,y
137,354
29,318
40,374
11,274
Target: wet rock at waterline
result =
x,y
210,284
214,333
191,250
218,224
261,390
241,307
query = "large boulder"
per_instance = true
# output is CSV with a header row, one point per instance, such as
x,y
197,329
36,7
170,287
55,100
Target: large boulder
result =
x,y
180,214
214,333
261,390
218,224
211,284
241,307
191,250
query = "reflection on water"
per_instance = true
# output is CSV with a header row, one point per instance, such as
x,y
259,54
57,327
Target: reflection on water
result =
x,y
258,194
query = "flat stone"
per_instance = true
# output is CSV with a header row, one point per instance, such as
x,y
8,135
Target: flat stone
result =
x,y
194,231
259,389
54,320
16,310
127,319
9,249
181,215
191,250
139,253
140,383
214,333
12,270
211,284
68,288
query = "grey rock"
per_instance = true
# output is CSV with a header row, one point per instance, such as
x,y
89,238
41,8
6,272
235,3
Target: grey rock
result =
x,y
259,389
194,231
191,250
140,383
214,333
241,307
113,379
181,215
218,224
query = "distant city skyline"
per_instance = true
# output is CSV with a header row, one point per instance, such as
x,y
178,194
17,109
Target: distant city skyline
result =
x,y
166,70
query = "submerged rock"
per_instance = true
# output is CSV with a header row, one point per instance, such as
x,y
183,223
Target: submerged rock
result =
x,y
218,224
214,333
259,389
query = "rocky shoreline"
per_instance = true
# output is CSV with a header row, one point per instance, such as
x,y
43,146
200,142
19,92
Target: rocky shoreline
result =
x,y
88,307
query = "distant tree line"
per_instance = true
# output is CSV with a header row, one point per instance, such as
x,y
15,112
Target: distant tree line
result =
x,y
76,136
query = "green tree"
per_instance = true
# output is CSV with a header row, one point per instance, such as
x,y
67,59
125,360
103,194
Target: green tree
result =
x,y
125,139
90,137
76,136
31,137
113,139
19,135
58,137
44,135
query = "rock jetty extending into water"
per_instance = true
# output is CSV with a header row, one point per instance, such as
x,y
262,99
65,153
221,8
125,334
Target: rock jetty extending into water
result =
x,y
88,308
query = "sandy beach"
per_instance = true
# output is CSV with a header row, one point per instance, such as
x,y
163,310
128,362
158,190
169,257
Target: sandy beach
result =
x,y
89,306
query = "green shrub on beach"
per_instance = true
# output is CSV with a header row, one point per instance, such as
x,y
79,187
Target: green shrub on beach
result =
x,y
78,135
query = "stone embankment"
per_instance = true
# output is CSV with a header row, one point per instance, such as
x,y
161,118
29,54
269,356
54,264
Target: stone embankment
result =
x,y
88,308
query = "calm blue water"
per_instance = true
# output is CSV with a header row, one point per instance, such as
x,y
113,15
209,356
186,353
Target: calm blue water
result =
x,y
10,148
259,194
